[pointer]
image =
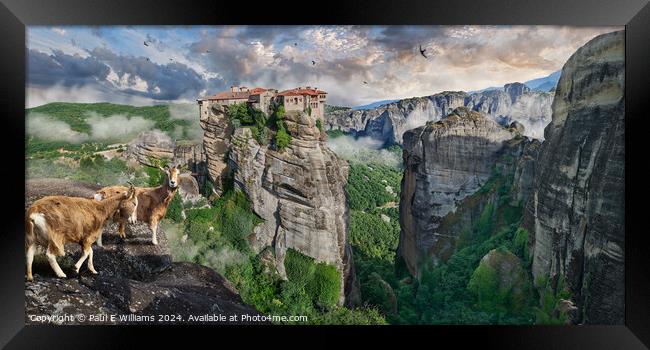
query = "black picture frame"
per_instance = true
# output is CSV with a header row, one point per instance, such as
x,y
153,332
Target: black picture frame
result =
x,y
633,14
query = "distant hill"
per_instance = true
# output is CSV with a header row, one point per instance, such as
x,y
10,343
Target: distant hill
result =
x,y
77,114
374,104
544,84
71,125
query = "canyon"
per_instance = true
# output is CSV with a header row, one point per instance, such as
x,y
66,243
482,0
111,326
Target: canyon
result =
x,y
514,102
570,187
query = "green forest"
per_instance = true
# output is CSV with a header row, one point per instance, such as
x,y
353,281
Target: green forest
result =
x,y
461,290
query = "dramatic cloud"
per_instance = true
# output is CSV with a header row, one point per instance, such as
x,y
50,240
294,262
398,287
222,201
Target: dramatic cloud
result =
x,y
183,63
60,68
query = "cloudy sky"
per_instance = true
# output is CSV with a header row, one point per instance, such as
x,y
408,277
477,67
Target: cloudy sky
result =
x,y
179,64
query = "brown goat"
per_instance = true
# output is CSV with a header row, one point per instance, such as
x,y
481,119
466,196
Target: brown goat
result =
x,y
53,221
152,201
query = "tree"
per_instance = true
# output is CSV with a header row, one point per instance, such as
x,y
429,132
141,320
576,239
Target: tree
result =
x,y
279,112
239,111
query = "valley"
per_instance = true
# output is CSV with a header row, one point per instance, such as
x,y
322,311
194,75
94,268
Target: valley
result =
x,y
489,207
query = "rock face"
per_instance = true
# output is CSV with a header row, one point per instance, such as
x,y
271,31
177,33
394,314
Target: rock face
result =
x,y
299,192
216,144
445,162
576,213
135,277
151,146
389,122
191,154
188,189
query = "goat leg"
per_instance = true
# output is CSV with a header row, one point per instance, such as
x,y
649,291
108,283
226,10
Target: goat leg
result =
x,y
51,258
122,229
91,267
86,252
30,259
154,228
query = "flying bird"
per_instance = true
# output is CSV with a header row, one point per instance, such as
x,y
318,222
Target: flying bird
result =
x,y
295,44
313,63
145,44
365,82
171,59
422,51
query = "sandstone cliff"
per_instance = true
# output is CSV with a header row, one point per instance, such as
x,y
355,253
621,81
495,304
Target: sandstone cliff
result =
x,y
298,192
446,163
152,147
135,277
515,102
216,144
576,213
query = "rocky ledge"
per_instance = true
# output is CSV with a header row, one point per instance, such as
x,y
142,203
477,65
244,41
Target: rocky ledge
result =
x,y
137,281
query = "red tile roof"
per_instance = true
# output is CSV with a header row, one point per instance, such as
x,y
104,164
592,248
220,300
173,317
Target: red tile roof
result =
x,y
299,92
229,95
257,90
244,95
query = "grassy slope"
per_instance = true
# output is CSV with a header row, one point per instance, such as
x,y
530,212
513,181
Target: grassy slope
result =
x,y
77,114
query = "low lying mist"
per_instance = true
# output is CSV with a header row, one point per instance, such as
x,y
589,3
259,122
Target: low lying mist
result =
x,y
184,248
116,128
363,150
47,128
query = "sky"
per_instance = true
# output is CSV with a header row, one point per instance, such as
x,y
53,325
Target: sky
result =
x,y
356,65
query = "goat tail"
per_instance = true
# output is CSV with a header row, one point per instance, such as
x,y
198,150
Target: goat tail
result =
x,y
29,231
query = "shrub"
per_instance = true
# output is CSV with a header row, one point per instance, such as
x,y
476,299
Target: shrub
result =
x,y
207,188
239,111
175,208
319,124
299,267
332,134
484,283
156,176
294,299
325,287
282,139
485,225
546,312
345,316
279,113
520,246
372,236
235,219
